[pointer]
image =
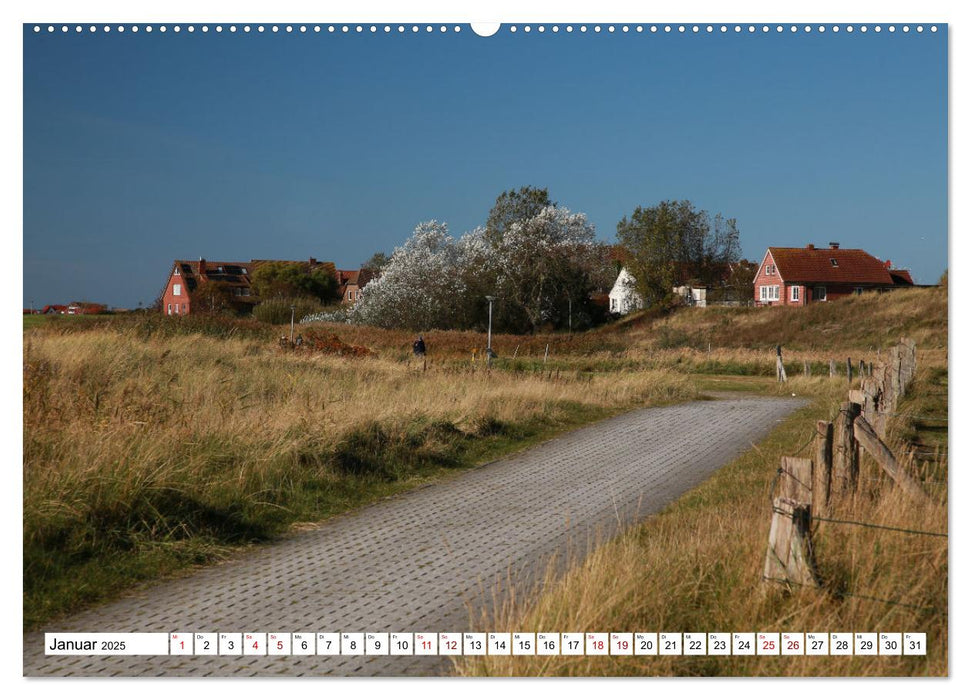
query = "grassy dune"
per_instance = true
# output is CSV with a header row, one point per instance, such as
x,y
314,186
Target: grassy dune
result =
x,y
145,454
152,444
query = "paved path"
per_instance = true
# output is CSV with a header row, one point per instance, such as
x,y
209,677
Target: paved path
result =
x,y
420,561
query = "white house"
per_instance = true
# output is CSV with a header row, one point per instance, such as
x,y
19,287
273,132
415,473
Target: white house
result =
x,y
623,296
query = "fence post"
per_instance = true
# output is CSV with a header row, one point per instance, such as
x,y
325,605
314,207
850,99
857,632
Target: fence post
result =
x,y
846,453
832,368
547,353
780,369
823,466
789,556
798,483
806,370
885,458
849,370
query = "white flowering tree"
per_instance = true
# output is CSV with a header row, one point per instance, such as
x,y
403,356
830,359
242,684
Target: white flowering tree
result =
x,y
419,286
544,261
536,267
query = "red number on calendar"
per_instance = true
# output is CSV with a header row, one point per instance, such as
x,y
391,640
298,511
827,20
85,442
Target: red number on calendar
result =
x,y
768,644
793,645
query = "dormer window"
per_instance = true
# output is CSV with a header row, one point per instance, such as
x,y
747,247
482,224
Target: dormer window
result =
x,y
770,269
176,273
834,262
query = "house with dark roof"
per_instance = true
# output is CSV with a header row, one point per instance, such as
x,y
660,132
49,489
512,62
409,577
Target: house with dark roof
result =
x,y
185,276
801,276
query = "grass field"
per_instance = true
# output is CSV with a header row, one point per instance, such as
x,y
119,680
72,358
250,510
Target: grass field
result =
x,y
697,566
154,444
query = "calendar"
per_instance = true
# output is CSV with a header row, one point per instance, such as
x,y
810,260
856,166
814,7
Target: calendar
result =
x,y
487,643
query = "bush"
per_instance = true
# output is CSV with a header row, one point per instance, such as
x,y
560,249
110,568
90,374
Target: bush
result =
x,y
277,310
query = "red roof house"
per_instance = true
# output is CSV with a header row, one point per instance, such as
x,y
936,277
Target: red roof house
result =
x,y
351,282
185,277
800,276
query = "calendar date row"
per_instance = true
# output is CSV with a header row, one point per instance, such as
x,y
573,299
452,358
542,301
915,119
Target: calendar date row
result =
x,y
488,643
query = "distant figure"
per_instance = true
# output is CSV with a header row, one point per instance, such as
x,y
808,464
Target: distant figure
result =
x,y
419,347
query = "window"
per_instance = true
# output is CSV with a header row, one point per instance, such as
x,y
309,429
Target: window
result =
x,y
183,308
819,293
770,269
834,262
794,293
769,293
176,309
170,310
858,290
177,290
176,273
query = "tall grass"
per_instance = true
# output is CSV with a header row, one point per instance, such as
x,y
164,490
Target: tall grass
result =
x,y
697,566
146,452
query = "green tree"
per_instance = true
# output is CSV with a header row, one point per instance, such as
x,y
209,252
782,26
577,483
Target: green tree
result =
x,y
291,280
375,263
673,242
213,297
515,206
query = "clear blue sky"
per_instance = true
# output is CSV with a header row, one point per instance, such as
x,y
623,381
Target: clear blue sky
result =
x,y
143,148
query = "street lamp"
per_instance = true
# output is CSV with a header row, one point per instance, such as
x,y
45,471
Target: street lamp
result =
x,y
489,343
293,310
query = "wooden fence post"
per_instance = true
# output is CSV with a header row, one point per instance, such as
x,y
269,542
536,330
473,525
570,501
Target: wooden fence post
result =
x,y
885,458
846,453
832,368
849,370
789,557
823,466
806,369
798,479
780,368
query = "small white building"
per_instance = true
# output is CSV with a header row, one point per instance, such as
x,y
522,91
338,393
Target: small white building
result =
x,y
623,295
693,296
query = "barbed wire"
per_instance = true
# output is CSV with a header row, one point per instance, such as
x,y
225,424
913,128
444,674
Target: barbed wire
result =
x,y
880,527
848,594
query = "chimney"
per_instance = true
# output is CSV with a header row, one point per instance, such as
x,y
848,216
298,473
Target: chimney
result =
x,y
202,267
834,245
888,265
810,246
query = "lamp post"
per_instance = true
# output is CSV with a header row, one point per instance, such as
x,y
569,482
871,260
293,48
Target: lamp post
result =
x,y
489,343
293,310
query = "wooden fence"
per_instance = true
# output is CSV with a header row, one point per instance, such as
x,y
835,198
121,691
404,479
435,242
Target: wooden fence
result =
x,y
809,487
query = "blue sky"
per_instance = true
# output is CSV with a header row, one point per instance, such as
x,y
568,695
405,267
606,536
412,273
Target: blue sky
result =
x,y
142,148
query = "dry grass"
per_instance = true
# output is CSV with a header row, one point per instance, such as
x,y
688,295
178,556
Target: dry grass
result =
x,y
855,323
697,567
147,454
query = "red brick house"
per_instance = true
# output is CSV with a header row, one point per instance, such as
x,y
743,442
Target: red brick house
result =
x,y
801,276
350,283
185,276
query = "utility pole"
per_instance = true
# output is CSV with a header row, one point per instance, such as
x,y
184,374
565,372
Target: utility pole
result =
x,y
489,341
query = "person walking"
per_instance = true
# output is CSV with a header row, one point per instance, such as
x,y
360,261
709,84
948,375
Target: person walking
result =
x,y
419,347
